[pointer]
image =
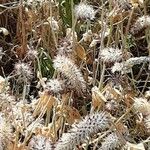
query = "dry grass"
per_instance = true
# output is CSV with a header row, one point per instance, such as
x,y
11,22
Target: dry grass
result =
x,y
74,75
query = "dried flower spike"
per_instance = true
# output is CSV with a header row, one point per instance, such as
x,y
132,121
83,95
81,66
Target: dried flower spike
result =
x,y
125,67
111,55
84,11
92,123
39,143
54,86
111,142
71,73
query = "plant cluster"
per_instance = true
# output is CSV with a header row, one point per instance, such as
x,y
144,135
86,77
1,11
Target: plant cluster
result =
x,y
75,74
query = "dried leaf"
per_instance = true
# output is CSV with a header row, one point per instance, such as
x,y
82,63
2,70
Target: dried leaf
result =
x,y
80,51
65,98
131,146
114,93
45,101
98,99
71,114
118,16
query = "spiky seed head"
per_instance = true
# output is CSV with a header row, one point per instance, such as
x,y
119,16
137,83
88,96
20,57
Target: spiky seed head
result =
x,y
141,23
91,124
54,86
117,67
111,142
23,69
70,72
111,55
84,11
125,67
39,143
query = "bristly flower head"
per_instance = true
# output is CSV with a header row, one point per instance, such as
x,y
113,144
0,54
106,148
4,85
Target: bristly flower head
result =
x,y
70,72
141,105
111,55
112,141
23,69
39,143
125,67
141,23
54,86
117,67
84,11
92,123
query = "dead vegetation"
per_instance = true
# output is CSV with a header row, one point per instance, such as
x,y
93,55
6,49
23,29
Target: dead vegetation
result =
x,y
75,75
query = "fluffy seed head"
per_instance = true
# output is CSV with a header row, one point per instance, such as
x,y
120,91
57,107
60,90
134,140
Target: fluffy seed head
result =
x,y
125,67
91,124
87,36
137,60
111,142
141,23
54,86
23,69
71,73
141,105
117,67
111,54
39,143
84,11
65,48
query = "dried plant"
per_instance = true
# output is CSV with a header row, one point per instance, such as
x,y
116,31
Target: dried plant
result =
x,y
74,74
84,11
110,55
91,124
24,70
141,23
70,72
111,142
39,143
126,66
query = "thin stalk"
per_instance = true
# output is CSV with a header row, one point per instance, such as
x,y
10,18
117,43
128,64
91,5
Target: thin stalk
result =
x,y
102,76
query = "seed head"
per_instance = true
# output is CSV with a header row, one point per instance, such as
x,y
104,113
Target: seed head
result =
x,y
84,11
111,142
54,86
91,124
141,23
23,69
70,73
110,55
39,143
